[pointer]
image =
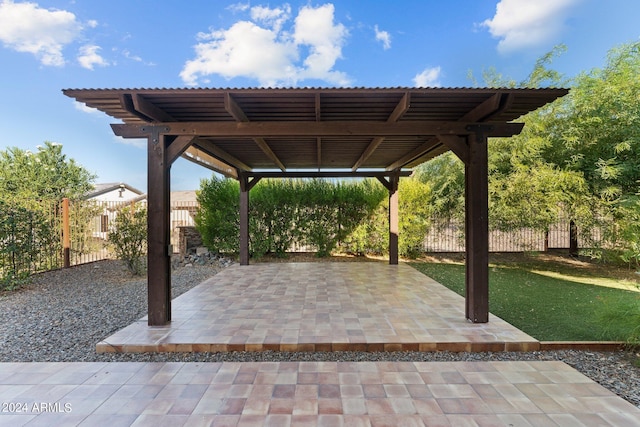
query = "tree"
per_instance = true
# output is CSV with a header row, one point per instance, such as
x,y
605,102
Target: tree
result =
x,y
525,188
45,174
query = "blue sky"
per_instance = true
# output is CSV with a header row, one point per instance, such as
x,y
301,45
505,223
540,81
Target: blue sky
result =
x,y
50,45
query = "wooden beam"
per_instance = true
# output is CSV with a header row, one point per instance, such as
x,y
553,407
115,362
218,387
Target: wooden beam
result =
x,y
458,145
401,108
201,158
319,129
319,153
318,108
127,104
267,150
327,174
237,113
150,110
483,110
373,145
218,152
397,112
232,107
429,145
179,146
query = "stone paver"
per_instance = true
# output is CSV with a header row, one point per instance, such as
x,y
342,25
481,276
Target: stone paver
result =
x,y
319,307
307,393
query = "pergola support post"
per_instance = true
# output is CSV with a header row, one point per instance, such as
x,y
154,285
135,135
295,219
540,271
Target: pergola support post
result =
x,y
394,228
244,219
477,229
158,231
245,186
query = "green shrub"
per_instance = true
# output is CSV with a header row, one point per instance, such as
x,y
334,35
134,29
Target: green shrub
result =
x,y
129,238
218,219
315,212
29,240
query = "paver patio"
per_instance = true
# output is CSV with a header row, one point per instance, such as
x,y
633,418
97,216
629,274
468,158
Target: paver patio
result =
x,y
319,307
307,394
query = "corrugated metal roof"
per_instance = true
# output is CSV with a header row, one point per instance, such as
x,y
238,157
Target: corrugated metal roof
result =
x,y
313,105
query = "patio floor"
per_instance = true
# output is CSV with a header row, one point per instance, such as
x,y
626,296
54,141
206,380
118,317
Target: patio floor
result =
x,y
325,394
319,307
312,306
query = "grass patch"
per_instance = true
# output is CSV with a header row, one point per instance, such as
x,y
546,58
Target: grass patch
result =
x,y
554,299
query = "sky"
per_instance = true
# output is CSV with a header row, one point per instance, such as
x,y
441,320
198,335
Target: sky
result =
x,y
50,45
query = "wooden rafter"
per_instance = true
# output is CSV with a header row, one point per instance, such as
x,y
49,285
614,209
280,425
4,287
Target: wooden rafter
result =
x,y
227,158
239,115
201,158
395,115
150,110
427,146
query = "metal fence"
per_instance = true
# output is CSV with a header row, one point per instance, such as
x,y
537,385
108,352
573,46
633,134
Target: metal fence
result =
x,y
447,235
38,236
43,235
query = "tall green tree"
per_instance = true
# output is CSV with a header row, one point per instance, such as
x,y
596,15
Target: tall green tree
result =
x,y
44,174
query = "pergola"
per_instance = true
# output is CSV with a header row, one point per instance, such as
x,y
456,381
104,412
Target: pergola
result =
x,y
249,134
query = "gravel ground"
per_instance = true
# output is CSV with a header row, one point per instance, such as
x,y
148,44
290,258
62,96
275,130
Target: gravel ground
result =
x,y
63,314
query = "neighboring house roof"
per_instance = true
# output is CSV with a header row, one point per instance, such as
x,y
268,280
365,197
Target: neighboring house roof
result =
x,y
188,196
100,189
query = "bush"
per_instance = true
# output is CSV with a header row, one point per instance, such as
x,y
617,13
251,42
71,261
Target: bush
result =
x,y
218,219
129,238
29,241
317,213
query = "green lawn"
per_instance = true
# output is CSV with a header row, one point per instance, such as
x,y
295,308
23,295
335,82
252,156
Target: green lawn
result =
x,y
553,300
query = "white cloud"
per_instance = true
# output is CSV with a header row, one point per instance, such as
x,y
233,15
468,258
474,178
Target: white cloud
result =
x,y
274,18
429,77
26,27
384,37
261,49
521,24
85,109
89,57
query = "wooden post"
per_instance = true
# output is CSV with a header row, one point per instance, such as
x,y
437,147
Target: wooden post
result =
x,y
477,230
573,238
158,239
66,238
393,219
244,220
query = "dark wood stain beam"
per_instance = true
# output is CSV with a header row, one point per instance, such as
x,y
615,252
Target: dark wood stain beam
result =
x,y
319,129
218,152
237,113
178,146
201,158
458,145
397,112
483,110
327,174
429,145
150,110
